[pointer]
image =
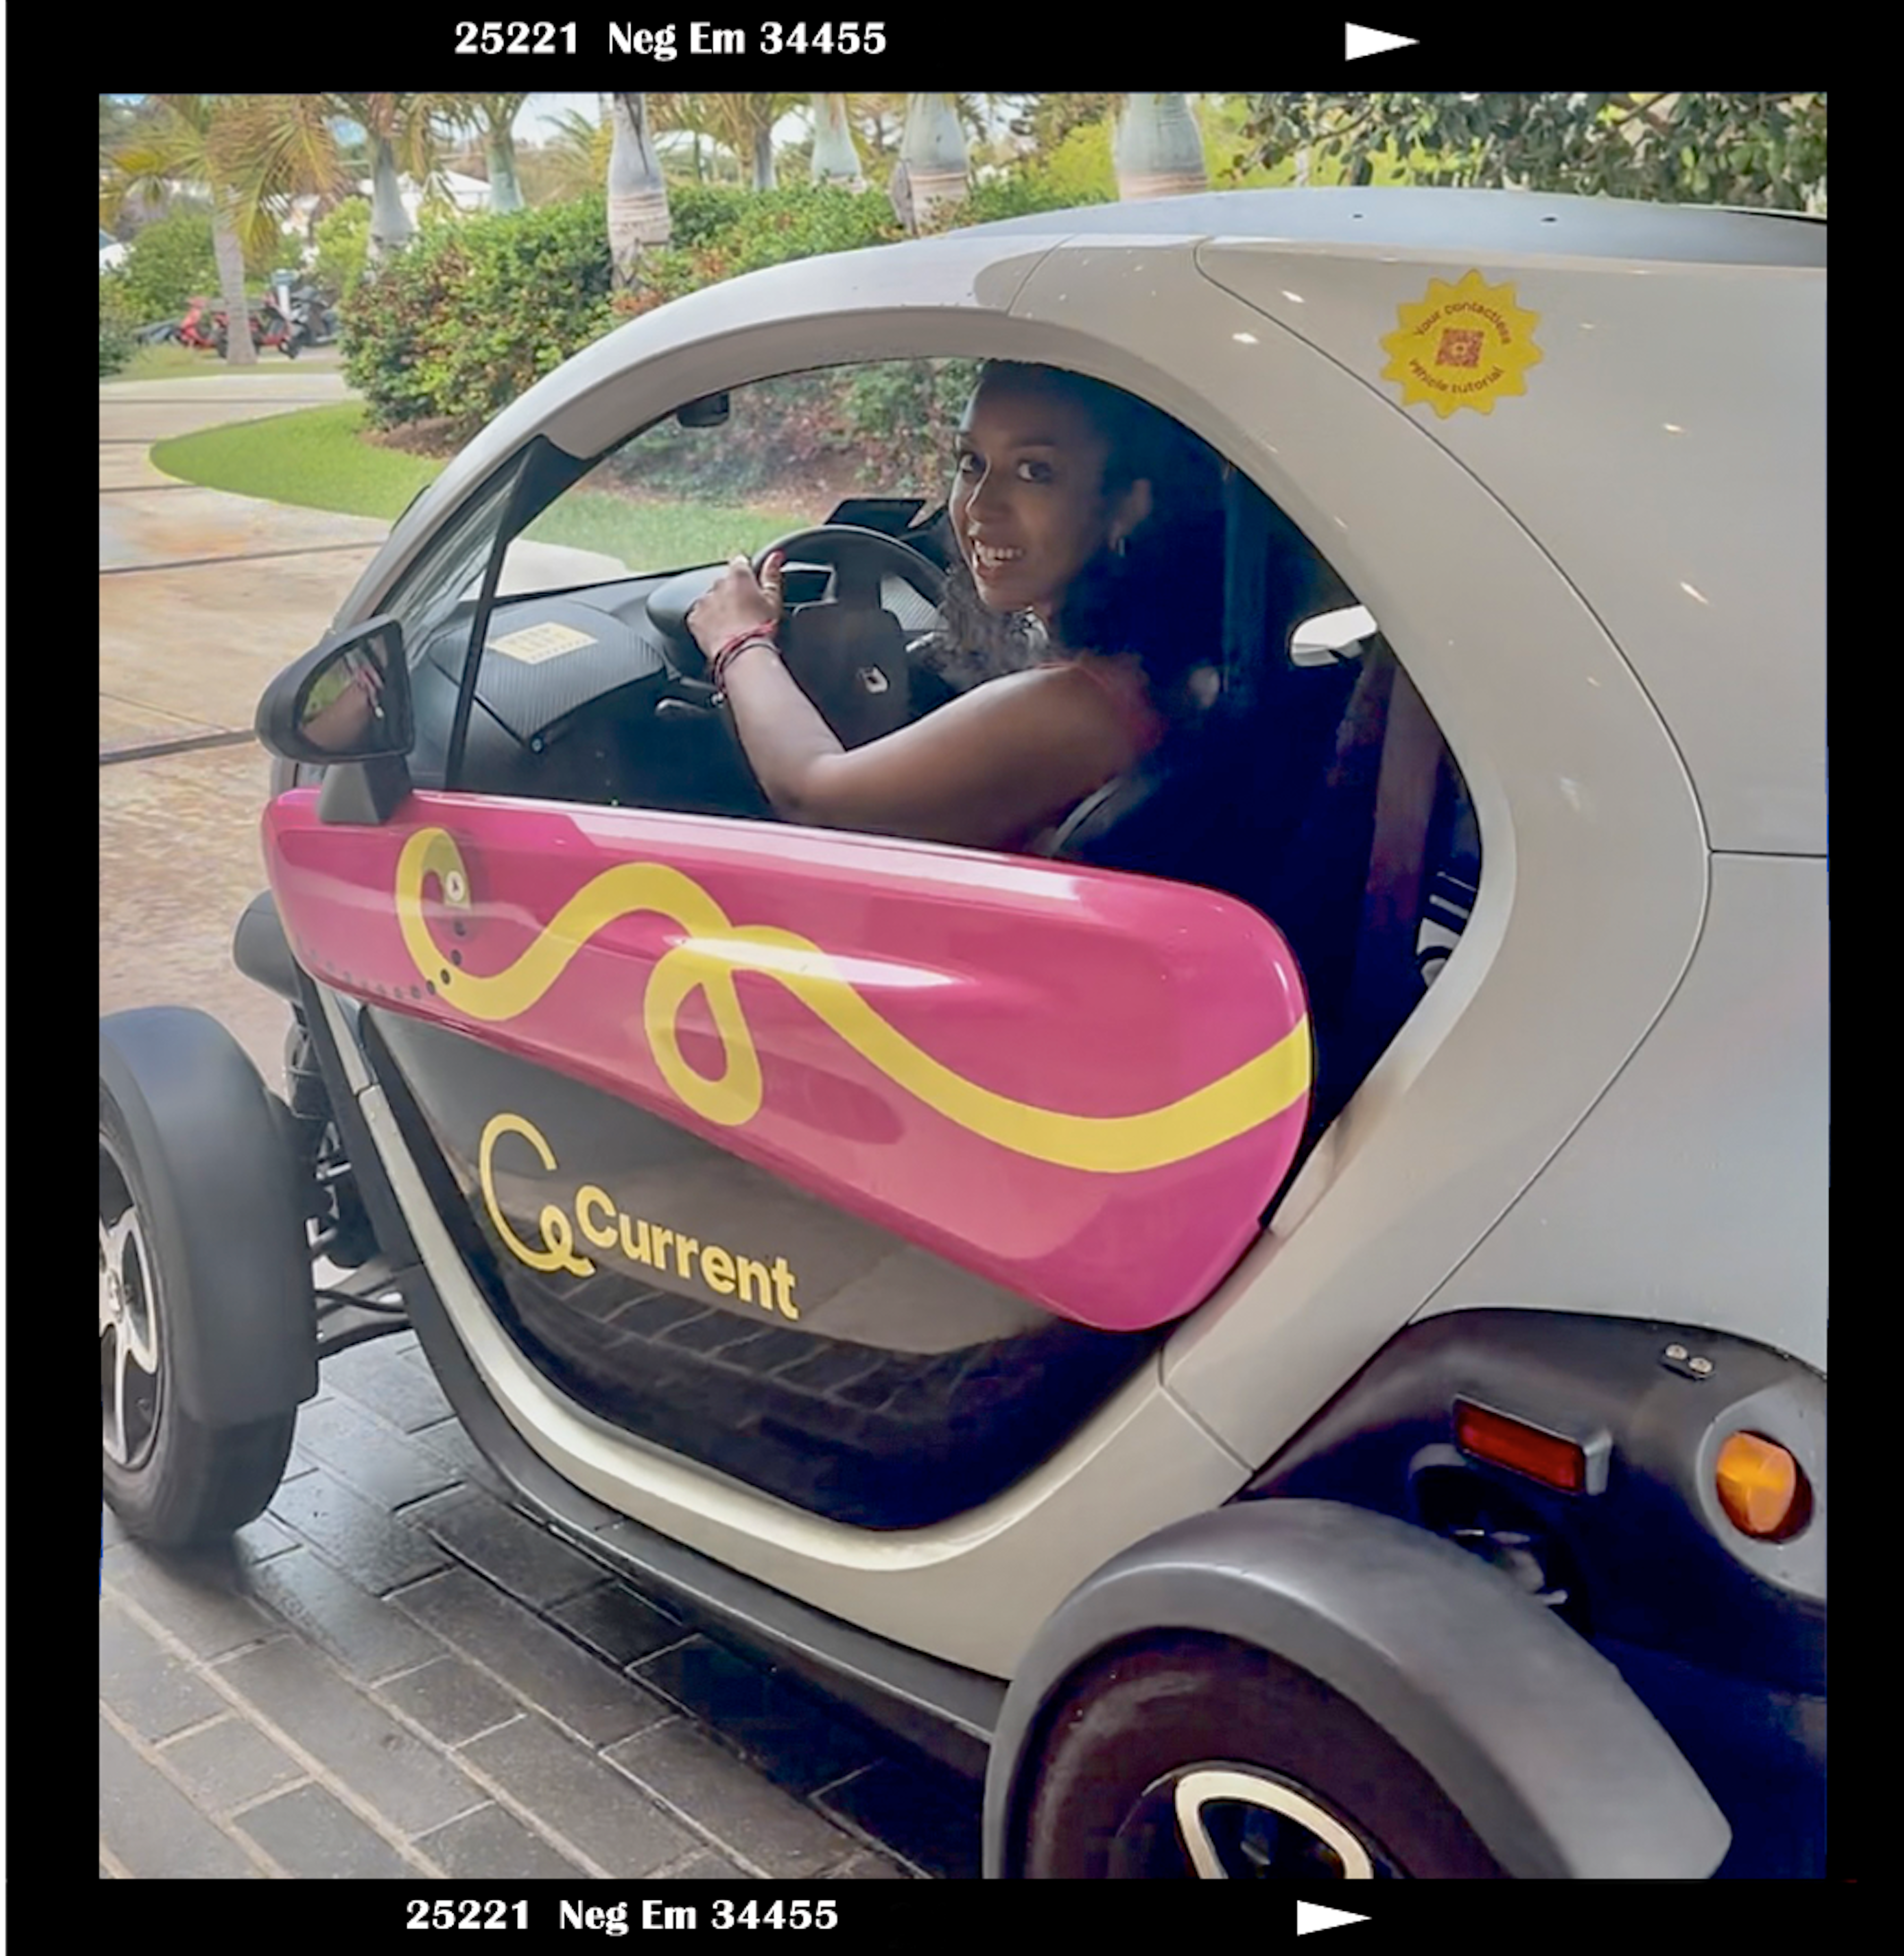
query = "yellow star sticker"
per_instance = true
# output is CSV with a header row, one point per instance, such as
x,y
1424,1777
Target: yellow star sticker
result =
x,y
1463,346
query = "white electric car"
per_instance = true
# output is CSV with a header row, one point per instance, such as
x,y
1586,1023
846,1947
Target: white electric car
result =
x,y
1289,1326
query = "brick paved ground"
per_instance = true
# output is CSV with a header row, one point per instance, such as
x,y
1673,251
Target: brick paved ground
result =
x,y
394,1674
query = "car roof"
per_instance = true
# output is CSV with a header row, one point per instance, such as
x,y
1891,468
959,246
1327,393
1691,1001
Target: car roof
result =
x,y
1485,224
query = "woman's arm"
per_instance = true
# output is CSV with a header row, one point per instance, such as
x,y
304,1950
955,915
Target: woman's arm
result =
x,y
986,770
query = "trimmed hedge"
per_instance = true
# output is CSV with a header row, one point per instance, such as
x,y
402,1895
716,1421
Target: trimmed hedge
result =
x,y
343,241
477,310
765,227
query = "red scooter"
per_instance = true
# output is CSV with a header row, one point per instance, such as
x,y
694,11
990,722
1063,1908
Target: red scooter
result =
x,y
205,324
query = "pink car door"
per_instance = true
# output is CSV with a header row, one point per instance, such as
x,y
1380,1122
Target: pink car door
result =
x,y
1081,1087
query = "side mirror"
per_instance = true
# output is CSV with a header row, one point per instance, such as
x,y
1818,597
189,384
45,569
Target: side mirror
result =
x,y
348,699
1332,636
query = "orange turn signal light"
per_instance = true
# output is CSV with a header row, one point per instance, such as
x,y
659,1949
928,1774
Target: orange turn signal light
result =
x,y
1549,1458
1761,1487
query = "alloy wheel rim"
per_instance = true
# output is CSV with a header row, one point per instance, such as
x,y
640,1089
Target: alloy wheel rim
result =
x,y
129,1375
1227,1821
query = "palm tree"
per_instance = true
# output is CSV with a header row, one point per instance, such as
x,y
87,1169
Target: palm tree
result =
x,y
638,196
931,178
495,116
695,116
250,154
1157,150
574,160
744,123
400,130
881,120
835,160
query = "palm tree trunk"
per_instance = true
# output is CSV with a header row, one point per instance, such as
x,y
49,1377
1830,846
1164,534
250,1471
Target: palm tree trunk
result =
x,y
933,157
638,202
835,160
505,190
229,254
1158,151
390,226
763,156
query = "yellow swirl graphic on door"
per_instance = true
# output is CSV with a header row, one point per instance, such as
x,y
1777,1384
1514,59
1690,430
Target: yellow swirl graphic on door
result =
x,y
715,948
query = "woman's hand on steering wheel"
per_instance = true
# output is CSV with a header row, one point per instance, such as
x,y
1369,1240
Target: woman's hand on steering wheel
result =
x,y
738,602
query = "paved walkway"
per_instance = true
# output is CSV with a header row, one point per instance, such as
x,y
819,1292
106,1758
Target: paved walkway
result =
x,y
393,1673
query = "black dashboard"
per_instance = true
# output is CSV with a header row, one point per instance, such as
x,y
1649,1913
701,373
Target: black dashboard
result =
x,y
581,697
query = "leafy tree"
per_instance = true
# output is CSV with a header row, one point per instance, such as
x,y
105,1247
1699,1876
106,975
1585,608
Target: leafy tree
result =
x,y
1761,150
170,261
117,119
343,241
574,162
879,120
1049,119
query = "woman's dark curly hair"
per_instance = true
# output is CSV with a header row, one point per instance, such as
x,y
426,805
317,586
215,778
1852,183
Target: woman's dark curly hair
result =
x,y
1162,599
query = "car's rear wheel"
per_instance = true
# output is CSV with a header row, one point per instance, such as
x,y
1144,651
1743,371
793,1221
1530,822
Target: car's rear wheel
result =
x,y
169,1478
1197,1759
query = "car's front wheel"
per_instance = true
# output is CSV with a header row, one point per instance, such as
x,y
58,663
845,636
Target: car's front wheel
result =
x,y
170,1479
1192,1759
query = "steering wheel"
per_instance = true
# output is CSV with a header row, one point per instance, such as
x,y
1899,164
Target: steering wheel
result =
x,y
846,650
857,557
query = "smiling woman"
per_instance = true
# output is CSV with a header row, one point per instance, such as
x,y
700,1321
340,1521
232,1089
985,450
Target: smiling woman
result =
x,y
1073,505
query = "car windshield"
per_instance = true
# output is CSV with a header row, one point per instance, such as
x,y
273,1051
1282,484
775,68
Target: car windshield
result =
x,y
732,472
451,572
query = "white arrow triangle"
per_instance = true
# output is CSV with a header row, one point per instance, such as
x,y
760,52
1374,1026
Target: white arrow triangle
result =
x,y
1361,41
1311,1916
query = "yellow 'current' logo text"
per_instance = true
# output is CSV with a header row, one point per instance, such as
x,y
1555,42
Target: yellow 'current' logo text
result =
x,y
753,1280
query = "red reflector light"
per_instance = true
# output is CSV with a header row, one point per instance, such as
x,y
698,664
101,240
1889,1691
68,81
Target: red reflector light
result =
x,y
1546,1457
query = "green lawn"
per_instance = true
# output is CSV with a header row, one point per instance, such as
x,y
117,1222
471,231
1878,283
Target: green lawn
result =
x,y
170,362
317,459
313,458
659,536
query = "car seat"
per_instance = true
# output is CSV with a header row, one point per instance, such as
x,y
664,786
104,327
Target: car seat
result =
x,y
1352,834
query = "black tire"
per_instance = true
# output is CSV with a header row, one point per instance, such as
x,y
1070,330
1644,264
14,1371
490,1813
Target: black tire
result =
x,y
1127,1732
177,1481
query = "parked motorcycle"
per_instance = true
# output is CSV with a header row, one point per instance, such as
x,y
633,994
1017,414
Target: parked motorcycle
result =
x,y
205,324
310,321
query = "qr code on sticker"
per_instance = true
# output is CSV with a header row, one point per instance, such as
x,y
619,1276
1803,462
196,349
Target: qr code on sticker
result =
x,y
1460,347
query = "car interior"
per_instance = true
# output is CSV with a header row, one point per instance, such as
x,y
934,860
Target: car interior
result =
x,y
1314,787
